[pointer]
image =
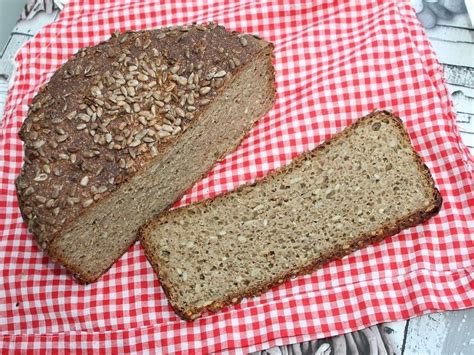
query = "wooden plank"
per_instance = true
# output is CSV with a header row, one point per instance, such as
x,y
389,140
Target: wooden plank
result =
x,y
461,21
451,34
454,53
460,337
41,19
441,333
426,334
463,103
3,95
396,332
468,139
463,76
463,118
465,90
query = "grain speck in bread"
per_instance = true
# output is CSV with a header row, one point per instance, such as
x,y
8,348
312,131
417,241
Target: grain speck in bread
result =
x,y
364,184
124,128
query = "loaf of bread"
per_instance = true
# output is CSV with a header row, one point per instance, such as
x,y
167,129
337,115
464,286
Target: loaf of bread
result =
x,y
124,128
364,184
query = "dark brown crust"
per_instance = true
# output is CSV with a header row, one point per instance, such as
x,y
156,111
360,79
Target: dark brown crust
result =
x,y
45,225
364,240
47,233
84,279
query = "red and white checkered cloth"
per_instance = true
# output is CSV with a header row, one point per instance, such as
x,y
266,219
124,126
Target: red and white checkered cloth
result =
x,y
335,62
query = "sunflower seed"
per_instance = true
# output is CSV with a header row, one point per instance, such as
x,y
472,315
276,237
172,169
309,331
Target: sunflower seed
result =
x,y
123,39
101,189
81,126
41,177
142,77
140,134
84,117
87,203
174,69
142,120
131,91
50,203
29,191
132,68
116,74
134,143
132,83
87,154
191,78
40,199
243,41
180,111
167,128
220,74
146,44
204,90
38,144
163,134
62,138
71,115
181,80
72,200
95,91
84,181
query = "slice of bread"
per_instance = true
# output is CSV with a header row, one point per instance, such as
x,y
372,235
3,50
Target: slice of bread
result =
x,y
359,187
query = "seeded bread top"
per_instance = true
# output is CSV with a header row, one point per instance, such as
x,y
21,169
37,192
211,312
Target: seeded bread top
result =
x,y
111,108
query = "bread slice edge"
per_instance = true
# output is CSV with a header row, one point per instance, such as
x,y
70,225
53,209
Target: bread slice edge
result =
x,y
360,242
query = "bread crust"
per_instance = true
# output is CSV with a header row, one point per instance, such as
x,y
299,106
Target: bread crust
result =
x,y
363,240
86,279
49,228
59,89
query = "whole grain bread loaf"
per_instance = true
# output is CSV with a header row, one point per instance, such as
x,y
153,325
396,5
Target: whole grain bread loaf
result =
x,y
124,128
361,186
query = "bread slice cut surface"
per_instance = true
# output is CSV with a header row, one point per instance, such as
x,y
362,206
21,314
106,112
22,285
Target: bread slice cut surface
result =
x,y
364,184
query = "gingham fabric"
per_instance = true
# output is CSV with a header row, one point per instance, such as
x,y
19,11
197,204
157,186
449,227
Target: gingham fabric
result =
x,y
335,62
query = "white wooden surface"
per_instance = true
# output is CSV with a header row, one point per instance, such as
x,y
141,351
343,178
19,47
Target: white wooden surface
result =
x,y
453,42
